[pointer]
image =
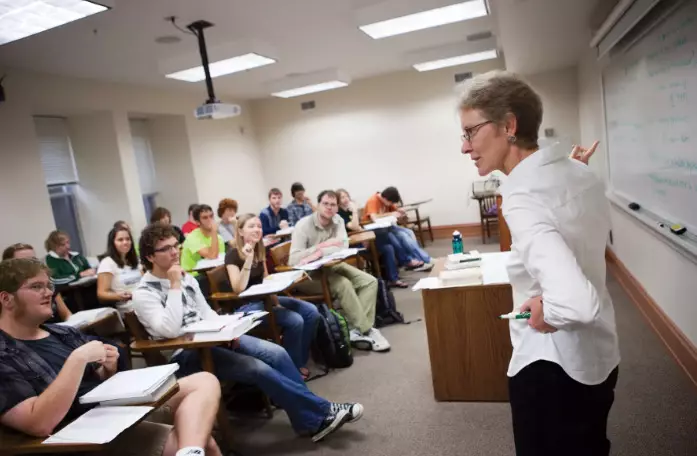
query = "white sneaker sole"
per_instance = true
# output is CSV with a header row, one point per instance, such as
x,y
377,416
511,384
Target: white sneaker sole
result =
x,y
342,418
356,413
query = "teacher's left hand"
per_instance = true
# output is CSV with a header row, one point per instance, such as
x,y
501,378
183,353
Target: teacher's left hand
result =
x,y
537,315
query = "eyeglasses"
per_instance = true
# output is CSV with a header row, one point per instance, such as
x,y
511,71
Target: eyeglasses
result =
x,y
39,287
471,131
330,205
167,248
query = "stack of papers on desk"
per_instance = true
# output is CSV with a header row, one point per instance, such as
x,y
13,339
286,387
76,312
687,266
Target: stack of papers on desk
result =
x,y
382,223
340,255
491,271
210,264
236,326
99,426
456,261
285,231
136,386
87,317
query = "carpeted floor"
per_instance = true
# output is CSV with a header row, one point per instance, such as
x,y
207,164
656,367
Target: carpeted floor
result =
x,y
655,412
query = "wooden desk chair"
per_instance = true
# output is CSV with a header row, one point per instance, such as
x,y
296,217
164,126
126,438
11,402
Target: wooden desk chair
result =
x,y
280,254
487,215
156,358
417,223
229,301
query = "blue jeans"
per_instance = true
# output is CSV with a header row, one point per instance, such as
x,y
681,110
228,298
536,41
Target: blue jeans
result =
x,y
408,244
387,250
298,321
267,366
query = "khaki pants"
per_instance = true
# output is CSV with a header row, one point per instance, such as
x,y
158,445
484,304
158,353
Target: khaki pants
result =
x,y
356,290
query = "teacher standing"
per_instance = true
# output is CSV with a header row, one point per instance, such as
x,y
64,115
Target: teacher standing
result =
x,y
563,371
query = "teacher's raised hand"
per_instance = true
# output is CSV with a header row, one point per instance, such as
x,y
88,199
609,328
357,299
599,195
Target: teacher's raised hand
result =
x,y
582,154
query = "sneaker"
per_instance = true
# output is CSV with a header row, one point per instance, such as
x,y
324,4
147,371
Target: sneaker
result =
x,y
379,342
355,410
331,423
425,267
359,341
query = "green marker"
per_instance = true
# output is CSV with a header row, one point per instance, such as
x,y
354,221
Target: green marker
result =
x,y
515,316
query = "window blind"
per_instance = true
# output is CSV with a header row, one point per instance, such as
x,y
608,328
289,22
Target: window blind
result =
x,y
143,155
55,150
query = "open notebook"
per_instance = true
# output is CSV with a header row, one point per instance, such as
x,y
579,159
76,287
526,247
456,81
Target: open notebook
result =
x,y
274,283
87,317
382,223
136,386
100,425
233,326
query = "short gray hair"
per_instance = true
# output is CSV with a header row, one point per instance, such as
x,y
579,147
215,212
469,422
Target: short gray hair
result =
x,y
498,93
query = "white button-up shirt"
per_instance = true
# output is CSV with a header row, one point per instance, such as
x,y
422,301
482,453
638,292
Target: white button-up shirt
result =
x,y
559,220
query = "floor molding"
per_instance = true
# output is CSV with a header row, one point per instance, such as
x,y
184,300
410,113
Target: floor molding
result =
x,y
678,345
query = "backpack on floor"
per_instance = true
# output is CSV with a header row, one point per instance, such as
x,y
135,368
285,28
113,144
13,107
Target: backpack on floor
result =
x,y
333,346
386,312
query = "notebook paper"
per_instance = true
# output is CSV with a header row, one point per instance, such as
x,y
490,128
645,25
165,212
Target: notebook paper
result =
x,y
99,425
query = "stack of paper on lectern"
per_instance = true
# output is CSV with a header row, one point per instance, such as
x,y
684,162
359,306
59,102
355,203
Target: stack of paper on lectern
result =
x,y
236,326
86,317
456,261
340,255
382,223
136,386
99,425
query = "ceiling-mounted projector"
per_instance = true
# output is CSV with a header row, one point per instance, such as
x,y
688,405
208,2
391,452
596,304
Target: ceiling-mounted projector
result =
x,y
212,108
217,111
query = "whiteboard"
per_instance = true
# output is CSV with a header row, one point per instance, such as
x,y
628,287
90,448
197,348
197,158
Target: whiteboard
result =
x,y
650,94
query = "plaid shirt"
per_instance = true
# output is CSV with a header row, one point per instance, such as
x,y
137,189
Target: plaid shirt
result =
x,y
297,211
25,374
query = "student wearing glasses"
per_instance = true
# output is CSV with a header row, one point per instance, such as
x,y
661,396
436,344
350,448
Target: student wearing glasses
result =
x,y
564,365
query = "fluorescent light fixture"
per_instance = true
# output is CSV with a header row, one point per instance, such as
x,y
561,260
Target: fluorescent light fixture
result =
x,y
454,61
321,87
223,67
22,18
426,19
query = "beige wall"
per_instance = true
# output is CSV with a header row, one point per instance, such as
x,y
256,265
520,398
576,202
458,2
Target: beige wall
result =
x,y
24,202
559,92
667,275
211,159
400,130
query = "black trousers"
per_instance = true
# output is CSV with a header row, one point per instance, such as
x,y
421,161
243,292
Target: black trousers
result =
x,y
554,415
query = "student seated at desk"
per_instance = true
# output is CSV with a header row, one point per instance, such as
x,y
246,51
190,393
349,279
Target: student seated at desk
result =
x,y
274,217
118,273
246,266
409,253
203,242
301,206
349,212
66,266
44,369
164,216
322,234
168,299
60,311
227,211
191,224
58,306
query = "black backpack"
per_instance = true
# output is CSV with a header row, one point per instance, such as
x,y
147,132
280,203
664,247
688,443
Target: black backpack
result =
x,y
333,346
386,312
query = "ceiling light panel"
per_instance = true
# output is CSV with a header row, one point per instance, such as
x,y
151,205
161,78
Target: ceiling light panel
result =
x,y
22,18
223,67
426,19
457,60
314,88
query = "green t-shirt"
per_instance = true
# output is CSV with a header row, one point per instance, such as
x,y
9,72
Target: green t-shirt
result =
x,y
194,242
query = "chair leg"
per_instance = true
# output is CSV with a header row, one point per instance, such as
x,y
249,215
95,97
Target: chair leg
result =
x,y
482,226
488,230
430,230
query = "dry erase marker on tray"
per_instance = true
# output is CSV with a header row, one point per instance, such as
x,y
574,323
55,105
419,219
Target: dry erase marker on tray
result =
x,y
515,316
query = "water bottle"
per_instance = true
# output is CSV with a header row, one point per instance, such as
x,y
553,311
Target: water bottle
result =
x,y
457,242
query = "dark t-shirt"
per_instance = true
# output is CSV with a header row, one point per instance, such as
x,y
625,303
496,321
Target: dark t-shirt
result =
x,y
347,216
256,274
55,353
